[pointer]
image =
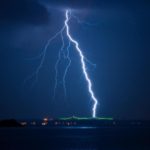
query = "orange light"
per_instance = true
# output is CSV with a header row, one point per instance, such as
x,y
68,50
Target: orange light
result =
x,y
45,119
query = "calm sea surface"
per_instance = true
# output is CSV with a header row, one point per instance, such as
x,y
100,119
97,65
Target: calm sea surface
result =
x,y
46,138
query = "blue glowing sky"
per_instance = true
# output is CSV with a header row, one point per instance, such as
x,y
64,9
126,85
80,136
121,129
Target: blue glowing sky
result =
x,y
117,41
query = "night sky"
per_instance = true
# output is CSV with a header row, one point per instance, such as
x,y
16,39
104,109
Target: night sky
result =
x,y
117,41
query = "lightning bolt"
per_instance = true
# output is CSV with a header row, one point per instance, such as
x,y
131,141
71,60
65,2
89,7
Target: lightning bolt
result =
x,y
66,56
42,55
67,67
82,59
61,52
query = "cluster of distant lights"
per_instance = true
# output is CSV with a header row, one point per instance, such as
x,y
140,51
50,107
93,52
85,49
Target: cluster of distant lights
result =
x,y
70,122
46,121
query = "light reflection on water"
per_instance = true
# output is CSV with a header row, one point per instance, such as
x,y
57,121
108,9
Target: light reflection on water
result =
x,y
82,127
62,139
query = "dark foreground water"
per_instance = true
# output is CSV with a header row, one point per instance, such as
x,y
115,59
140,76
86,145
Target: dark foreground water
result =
x,y
39,138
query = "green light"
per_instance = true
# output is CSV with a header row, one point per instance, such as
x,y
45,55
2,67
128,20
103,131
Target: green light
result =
x,y
86,118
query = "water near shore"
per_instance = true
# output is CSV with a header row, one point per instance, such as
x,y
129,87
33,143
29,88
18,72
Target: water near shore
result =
x,y
75,138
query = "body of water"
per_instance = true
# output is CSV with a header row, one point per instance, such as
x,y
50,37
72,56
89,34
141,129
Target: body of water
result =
x,y
74,138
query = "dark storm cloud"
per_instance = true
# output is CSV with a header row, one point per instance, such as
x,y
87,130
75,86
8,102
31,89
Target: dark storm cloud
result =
x,y
22,11
77,4
96,3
